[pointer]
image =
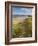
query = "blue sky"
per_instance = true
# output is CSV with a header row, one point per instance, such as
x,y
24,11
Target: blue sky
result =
x,y
21,11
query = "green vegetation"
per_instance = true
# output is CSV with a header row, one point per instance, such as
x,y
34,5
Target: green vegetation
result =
x,y
23,29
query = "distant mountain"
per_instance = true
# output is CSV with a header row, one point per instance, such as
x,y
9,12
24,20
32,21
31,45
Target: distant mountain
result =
x,y
21,15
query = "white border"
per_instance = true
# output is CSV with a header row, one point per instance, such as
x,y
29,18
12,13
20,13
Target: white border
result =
x,y
33,27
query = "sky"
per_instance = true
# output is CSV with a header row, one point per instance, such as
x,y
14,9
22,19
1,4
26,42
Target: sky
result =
x,y
21,11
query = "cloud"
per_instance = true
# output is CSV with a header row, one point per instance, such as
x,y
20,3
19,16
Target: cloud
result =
x,y
26,9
